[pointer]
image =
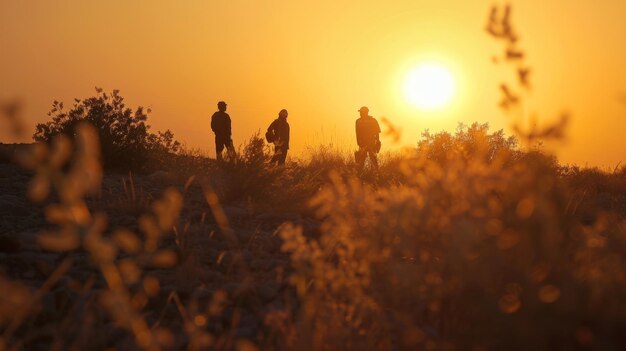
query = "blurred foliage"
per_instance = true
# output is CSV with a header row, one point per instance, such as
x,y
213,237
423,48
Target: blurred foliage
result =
x,y
473,253
71,170
500,27
465,242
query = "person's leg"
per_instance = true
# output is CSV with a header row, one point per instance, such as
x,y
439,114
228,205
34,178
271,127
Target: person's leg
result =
x,y
276,157
373,159
231,149
359,157
283,156
219,147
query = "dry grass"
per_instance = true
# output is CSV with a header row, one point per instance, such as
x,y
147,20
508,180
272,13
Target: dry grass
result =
x,y
452,246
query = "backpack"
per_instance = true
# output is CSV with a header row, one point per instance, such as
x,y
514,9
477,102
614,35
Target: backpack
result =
x,y
377,146
269,136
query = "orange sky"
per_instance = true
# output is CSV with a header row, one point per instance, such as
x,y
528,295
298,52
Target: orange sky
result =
x,y
321,60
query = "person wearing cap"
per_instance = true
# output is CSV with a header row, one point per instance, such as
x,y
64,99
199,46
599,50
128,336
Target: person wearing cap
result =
x,y
278,133
367,138
220,124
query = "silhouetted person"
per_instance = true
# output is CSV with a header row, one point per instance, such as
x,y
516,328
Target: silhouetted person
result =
x,y
278,133
220,124
367,137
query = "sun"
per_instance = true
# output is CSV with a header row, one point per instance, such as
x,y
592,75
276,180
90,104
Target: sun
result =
x,y
429,86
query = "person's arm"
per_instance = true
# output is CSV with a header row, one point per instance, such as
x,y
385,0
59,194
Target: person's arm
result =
x,y
213,123
377,130
358,134
228,125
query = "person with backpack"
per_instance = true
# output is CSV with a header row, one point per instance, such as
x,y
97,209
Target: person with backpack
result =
x,y
367,138
221,126
278,134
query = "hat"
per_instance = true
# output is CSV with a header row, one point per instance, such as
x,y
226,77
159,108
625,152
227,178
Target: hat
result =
x,y
364,108
221,103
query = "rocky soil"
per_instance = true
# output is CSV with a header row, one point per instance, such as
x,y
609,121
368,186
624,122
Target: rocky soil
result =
x,y
244,261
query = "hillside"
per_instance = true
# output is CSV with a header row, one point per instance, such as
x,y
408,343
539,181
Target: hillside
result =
x,y
413,254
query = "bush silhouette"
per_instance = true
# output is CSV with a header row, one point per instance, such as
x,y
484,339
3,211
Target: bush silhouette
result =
x,y
124,134
468,142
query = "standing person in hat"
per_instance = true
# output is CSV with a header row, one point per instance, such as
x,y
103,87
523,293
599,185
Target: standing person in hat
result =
x,y
220,124
367,137
278,133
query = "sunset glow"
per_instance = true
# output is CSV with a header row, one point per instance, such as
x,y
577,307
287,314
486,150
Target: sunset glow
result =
x,y
429,86
321,61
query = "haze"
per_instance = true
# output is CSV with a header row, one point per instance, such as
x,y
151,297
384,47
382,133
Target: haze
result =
x,y
320,60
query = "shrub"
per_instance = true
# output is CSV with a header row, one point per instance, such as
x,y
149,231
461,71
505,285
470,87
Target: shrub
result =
x,y
126,142
467,142
470,255
249,175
